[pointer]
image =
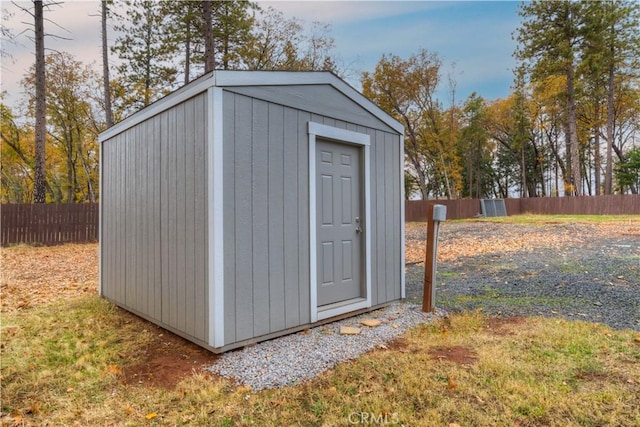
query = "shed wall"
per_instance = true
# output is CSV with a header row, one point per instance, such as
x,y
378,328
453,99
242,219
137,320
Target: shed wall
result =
x,y
266,205
154,219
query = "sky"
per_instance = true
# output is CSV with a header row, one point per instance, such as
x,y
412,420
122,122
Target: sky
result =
x,y
472,38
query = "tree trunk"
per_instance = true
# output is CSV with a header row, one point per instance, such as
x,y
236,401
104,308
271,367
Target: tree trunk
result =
x,y
523,168
187,58
596,156
147,65
422,179
446,176
85,168
70,169
576,176
209,54
225,39
41,129
608,174
538,172
105,67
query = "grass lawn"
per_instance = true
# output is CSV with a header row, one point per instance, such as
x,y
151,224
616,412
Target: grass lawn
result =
x,y
536,219
66,364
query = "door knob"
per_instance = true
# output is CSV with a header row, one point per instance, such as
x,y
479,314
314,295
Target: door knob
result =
x,y
358,228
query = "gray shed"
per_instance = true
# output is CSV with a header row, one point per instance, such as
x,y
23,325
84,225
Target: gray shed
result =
x,y
248,205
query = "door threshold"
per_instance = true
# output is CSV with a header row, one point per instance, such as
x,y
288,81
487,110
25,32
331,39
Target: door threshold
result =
x,y
342,307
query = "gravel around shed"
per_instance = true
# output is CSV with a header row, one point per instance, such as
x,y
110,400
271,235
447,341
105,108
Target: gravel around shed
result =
x,y
294,358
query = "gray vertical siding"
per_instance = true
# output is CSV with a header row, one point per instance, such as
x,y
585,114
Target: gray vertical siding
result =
x,y
154,219
266,223
154,247
291,220
275,189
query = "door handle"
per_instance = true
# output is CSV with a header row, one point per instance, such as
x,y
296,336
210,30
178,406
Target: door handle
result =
x,y
358,227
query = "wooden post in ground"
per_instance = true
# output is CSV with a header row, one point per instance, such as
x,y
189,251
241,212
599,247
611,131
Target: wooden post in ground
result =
x,y
435,214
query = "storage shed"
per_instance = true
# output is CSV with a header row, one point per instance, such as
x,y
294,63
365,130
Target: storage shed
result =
x,y
248,205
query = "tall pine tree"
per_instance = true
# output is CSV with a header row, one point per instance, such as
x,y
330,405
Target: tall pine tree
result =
x,y
146,54
550,39
611,59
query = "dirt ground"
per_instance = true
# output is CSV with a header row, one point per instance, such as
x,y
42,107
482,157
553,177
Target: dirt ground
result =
x,y
33,276
167,360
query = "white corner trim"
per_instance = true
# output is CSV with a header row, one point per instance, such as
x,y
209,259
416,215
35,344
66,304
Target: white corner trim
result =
x,y
215,220
337,134
313,240
230,78
100,217
367,212
349,137
403,291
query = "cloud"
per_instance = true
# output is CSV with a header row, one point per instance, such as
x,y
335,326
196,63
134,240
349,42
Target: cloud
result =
x,y
478,43
476,36
344,12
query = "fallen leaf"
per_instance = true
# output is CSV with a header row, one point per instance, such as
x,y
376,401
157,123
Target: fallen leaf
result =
x,y
114,369
451,383
244,389
151,416
128,410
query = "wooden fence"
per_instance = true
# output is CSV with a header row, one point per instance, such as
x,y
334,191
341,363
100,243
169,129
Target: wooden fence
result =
x,y
48,224
628,204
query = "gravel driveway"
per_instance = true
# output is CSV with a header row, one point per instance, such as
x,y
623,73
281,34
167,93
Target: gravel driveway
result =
x,y
577,271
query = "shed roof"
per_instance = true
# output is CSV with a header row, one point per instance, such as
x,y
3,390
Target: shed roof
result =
x,y
235,78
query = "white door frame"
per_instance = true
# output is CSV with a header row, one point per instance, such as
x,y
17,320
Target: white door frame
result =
x,y
346,137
